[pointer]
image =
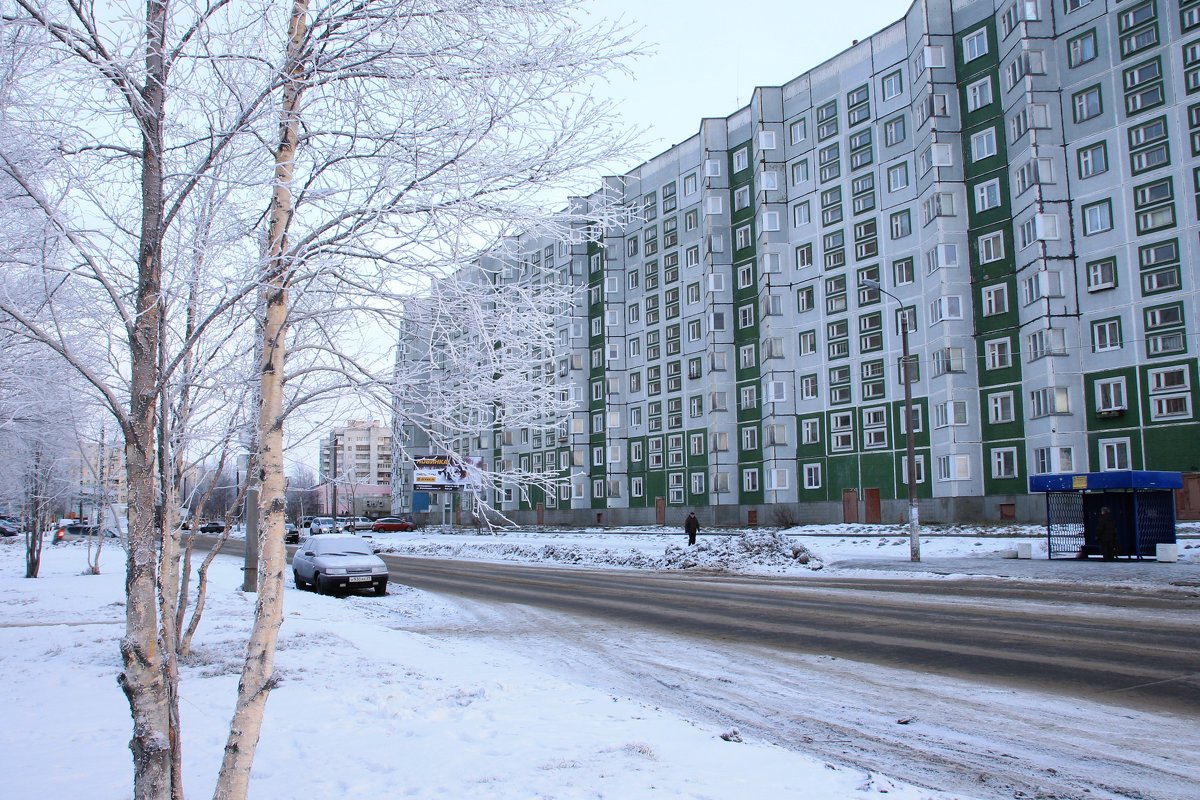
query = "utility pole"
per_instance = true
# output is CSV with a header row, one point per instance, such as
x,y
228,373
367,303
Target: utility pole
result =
x,y
914,518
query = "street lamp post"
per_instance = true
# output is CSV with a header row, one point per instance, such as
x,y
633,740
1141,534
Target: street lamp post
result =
x,y
914,518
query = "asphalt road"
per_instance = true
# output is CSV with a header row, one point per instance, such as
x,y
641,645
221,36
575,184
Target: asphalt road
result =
x,y
1130,646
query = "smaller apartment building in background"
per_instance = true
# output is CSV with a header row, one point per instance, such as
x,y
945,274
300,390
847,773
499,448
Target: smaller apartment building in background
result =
x,y
356,469
1022,178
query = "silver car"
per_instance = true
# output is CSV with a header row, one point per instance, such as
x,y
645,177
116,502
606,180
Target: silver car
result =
x,y
332,562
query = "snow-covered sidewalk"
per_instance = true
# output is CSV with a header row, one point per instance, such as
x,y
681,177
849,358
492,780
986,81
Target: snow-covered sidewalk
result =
x,y
367,707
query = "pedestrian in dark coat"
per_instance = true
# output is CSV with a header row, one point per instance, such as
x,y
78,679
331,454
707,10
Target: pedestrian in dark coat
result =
x,y
1106,534
691,527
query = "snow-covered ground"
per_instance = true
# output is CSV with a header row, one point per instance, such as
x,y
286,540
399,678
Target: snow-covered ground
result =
x,y
413,695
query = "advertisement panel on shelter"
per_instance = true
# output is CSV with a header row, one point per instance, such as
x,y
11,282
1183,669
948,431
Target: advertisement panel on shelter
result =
x,y
445,473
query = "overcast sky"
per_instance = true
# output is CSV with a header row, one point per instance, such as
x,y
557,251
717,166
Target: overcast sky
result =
x,y
709,55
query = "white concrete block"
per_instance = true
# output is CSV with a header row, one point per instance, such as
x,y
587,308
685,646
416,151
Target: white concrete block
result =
x,y
1024,550
1168,553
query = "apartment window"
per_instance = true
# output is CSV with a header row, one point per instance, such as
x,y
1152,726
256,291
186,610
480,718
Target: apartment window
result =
x,y
1046,342
893,131
1097,218
1087,104
991,247
975,45
979,94
812,476
841,430
798,131
998,354
1093,159
1004,462
947,360
1114,454
952,412
944,308
897,176
1001,408
995,299
800,172
1138,28
1143,86
1106,335
983,144
1154,206
1048,401
741,198
1081,49
1101,274
903,272
900,224
954,468
1110,395
987,195
1170,395
750,480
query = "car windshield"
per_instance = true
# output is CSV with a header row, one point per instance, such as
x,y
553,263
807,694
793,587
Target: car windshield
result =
x,y
345,547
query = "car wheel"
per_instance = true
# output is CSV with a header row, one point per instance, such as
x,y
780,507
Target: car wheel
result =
x,y
316,583
381,589
299,583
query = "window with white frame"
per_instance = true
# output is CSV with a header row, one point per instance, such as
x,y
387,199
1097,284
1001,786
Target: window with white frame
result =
x,y
1097,218
1110,394
998,353
983,144
987,195
979,94
1004,462
841,431
951,412
1106,335
918,463
1001,407
975,45
812,476
750,480
954,468
995,299
810,431
1114,454
1049,401
1101,274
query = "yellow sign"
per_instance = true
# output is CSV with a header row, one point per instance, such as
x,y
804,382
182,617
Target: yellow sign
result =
x,y
1079,482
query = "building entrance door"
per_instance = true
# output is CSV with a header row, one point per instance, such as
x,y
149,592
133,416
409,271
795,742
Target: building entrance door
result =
x,y
849,505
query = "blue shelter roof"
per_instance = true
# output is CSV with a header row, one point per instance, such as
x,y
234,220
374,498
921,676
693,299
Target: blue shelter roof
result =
x,y
1098,481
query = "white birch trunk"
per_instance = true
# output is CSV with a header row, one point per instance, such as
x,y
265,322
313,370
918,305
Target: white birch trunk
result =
x,y
233,783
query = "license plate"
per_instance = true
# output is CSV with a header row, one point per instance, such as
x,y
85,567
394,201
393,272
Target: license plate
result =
x,y
360,578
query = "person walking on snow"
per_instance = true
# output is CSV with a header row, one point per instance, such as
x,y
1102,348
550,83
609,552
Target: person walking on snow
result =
x,y
691,527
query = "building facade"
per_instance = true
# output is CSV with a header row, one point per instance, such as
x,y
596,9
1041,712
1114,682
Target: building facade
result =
x,y
1022,181
356,470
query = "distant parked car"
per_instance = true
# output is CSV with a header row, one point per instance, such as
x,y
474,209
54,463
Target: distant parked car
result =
x,y
77,530
212,526
331,562
320,525
356,524
392,524
9,527
291,534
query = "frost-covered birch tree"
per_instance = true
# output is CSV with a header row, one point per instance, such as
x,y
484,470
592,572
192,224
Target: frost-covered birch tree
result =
x,y
199,168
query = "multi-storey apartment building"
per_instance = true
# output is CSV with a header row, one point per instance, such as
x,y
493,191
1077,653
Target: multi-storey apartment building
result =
x,y
1021,178
356,469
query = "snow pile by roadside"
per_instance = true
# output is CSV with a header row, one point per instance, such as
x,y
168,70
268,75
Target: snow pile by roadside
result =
x,y
737,552
734,553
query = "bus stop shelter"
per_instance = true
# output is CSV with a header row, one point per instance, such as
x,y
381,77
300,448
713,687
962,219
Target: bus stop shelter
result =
x,y
1141,502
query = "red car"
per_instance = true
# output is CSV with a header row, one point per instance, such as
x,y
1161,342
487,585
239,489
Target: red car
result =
x,y
389,524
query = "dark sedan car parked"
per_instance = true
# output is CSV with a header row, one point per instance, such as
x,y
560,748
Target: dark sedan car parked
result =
x,y
392,524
